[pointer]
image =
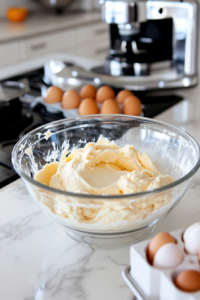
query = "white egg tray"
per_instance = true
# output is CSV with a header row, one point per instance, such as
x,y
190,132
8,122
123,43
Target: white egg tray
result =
x,y
150,283
57,108
67,113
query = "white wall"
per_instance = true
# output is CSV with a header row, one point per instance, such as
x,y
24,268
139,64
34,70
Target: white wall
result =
x,y
32,5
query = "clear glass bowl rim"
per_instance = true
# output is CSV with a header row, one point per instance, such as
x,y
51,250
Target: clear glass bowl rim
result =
x,y
103,197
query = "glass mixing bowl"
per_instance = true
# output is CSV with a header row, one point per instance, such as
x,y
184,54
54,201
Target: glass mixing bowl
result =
x,y
174,151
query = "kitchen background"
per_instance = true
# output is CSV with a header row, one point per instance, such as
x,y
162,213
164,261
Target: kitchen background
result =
x,y
76,35
33,6
45,32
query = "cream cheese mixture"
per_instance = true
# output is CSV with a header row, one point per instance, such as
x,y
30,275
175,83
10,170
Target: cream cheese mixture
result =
x,y
104,168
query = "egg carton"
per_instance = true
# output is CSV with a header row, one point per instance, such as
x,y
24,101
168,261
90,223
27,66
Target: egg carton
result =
x,y
67,113
150,283
55,108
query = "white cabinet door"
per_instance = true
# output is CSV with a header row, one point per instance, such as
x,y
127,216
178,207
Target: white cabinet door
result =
x,y
99,31
80,35
9,53
99,51
99,41
33,47
88,41
44,44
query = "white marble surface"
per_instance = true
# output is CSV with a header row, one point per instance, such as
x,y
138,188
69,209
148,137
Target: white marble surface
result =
x,y
40,23
38,261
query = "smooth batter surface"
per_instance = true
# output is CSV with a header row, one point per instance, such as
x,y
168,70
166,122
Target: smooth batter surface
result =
x,y
106,169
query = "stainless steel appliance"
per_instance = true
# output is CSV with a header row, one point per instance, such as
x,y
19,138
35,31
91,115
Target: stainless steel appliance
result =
x,y
148,38
153,45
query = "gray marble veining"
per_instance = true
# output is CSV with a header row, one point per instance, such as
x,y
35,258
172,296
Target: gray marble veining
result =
x,y
39,261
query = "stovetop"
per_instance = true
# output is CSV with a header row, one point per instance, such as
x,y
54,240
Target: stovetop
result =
x,y
30,114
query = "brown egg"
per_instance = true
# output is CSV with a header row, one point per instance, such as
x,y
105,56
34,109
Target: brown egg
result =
x,y
132,106
88,91
71,99
110,106
188,281
54,94
122,95
156,243
88,107
105,92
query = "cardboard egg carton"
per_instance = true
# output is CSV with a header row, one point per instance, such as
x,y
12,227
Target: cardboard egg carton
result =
x,y
148,282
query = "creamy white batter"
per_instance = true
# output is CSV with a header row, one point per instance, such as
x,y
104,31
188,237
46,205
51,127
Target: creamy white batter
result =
x,y
106,169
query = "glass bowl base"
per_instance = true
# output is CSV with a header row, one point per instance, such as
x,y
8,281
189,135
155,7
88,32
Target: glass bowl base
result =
x,y
110,240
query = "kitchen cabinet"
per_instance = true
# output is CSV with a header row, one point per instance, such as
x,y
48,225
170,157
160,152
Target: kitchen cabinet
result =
x,y
91,40
99,41
99,50
44,44
9,53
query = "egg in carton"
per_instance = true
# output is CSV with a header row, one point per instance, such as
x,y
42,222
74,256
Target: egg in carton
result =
x,y
55,106
56,101
150,283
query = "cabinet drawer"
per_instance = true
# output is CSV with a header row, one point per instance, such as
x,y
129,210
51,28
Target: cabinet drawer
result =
x,y
99,31
64,38
99,54
80,35
99,50
34,47
44,44
73,50
9,53
81,51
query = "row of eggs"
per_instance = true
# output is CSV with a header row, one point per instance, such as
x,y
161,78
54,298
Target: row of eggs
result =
x,y
89,99
164,253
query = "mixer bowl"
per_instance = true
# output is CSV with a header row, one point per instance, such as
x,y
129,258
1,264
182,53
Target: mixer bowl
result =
x,y
173,151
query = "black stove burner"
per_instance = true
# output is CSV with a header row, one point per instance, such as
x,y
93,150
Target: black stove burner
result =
x,y
11,134
153,106
11,129
26,115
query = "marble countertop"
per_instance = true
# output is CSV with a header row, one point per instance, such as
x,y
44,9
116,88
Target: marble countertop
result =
x,y
39,261
41,23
